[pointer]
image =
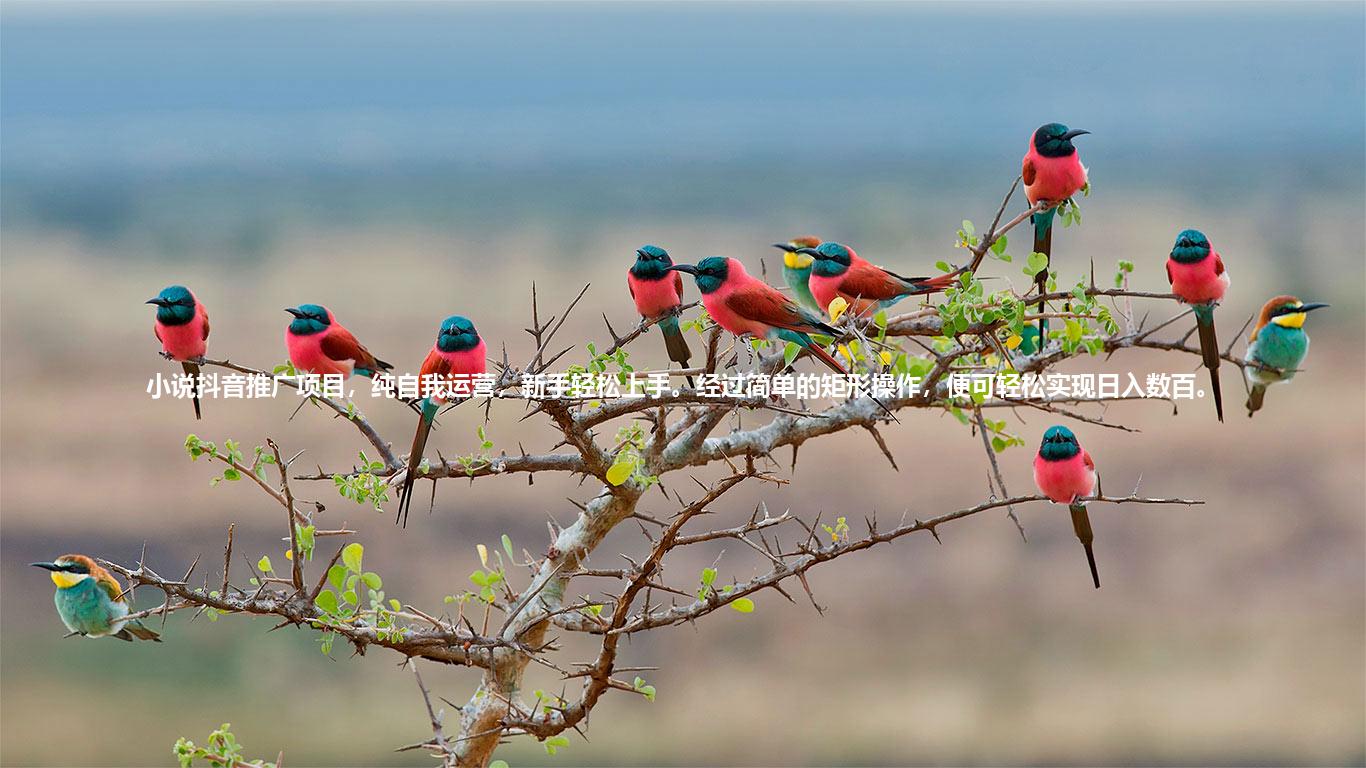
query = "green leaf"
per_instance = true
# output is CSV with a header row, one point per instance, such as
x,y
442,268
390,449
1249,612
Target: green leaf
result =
x,y
1037,263
231,474
968,228
264,563
620,471
498,764
336,575
999,247
351,556
942,266
708,576
648,690
790,353
743,605
371,580
326,601
349,596
507,547
480,578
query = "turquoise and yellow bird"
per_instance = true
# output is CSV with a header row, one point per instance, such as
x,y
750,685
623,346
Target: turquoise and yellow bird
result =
x,y
1276,346
91,602
797,270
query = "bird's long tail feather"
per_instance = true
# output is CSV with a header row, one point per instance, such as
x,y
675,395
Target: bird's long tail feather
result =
x,y
1081,524
424,428
825,357
1209,350
192,369
1254,399
136,629
1043,243
676,344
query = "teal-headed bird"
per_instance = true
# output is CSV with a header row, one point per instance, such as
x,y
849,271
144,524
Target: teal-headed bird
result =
x,y
1198,277
658,293
91,602
1276,346
797,270
1052,172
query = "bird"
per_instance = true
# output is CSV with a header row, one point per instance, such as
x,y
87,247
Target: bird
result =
x,y
1276,346
457,355
182,327
797,270
319,344
838,271
1052,172
1065,473
742,303
658,294
1197,276
91,602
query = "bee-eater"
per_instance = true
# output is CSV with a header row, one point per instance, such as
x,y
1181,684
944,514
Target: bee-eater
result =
x,y
182,327
319,344
797,270
457,355
1197,275
1052,172
742,303
838,271
1276,346
1066,474
91,602
658,293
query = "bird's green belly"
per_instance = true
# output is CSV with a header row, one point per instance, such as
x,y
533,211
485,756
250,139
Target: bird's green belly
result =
x,y
85,608
1279,348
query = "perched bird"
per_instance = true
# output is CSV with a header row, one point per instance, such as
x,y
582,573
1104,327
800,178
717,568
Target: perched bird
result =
x,y
1276,346
797,270
319,344
1066,474
1197,275
742,303
658,294
838,271
91,602
182,327
457,355
1052,172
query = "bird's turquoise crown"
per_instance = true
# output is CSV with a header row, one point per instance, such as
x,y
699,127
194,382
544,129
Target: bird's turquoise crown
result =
x,y
652,263
1055,140
832,259
457,335
1059,444
308,319
710,273
175,305
1191,246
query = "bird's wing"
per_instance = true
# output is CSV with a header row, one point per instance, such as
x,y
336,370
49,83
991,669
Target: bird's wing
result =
x,y
1086,458
872,282
629,286
110,585
435,365
156,331
763,304
1027,171
678,285
1218,264
1169,273
206,322
339,344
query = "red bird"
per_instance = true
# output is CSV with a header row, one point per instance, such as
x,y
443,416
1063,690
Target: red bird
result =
x,y
1066,474
182,327
838,271
1197,274
319,344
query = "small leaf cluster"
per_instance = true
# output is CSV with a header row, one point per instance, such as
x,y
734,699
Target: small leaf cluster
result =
x,y
231,454
629,461
839,532
221,750
350,586
707,587
366,485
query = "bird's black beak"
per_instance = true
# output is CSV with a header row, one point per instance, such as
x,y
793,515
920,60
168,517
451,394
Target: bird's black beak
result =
x,y
809,251
47,566
160,302
641,253
789,247
690,269
294,311
1073,134
1312,307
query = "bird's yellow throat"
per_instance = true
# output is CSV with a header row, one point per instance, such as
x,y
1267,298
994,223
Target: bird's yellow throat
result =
x,y
1293,320
797,260
67,580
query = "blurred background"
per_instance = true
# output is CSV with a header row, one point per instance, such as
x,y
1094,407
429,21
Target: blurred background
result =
x,y
403,162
